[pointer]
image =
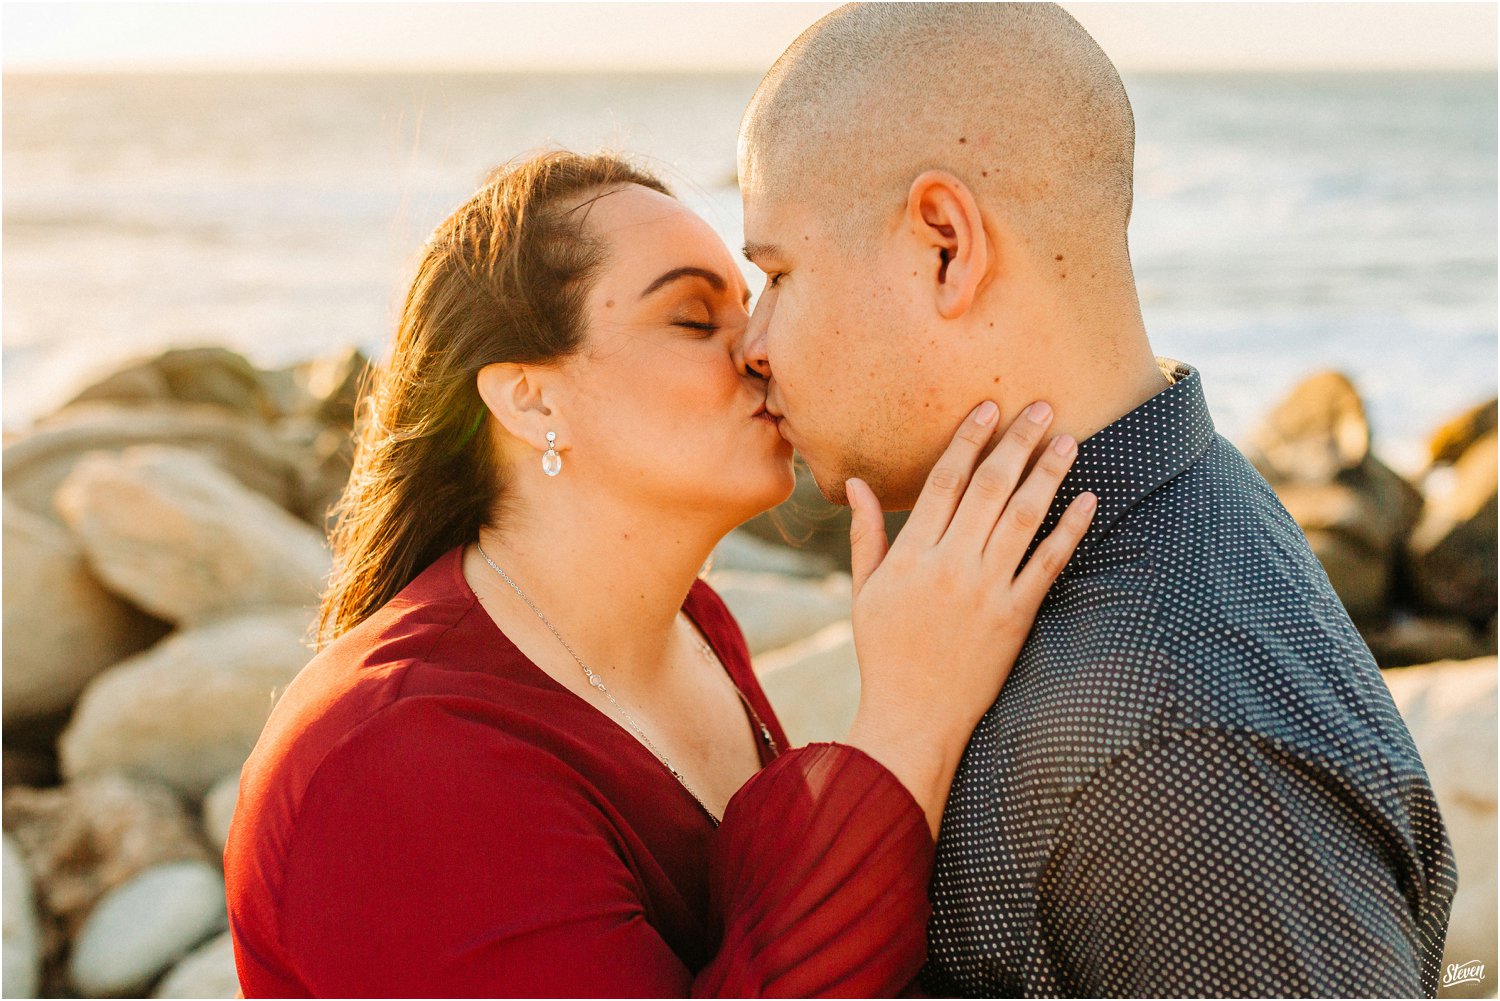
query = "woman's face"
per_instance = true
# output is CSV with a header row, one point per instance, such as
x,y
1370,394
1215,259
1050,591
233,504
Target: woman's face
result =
x,y
657,410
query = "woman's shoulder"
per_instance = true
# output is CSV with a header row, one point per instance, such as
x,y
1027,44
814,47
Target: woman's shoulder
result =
x,y
417,658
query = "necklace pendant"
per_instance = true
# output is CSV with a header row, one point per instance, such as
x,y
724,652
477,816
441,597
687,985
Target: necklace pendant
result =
x,y
596,681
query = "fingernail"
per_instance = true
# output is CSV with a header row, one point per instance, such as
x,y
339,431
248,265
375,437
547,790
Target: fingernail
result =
x,y
1086,502
986,413
1063,445
1038,412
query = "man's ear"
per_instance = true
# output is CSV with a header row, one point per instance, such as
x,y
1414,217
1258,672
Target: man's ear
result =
x,y
942,212
517,396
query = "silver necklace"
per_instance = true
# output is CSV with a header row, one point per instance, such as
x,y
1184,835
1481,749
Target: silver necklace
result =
x,y
597,682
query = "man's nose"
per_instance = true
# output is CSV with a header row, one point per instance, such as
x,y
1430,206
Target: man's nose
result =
x,y
750,354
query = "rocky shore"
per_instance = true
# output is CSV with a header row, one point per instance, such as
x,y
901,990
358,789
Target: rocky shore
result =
x,y
164,545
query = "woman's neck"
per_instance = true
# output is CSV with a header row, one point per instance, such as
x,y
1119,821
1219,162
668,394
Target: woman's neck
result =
x,y
610,580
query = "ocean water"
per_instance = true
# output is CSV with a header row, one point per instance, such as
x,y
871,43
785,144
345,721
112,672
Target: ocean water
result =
x,y
1283,223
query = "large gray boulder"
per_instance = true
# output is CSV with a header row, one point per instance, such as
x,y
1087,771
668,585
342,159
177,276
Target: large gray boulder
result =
x,y
61,627
178,536
210,375
23,957
35,462
206,972
1450,709
140,929
189,710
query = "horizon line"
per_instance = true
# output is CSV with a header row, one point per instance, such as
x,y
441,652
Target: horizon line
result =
x,y
218,68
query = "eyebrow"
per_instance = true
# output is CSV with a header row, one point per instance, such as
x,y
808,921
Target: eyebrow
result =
x,y
754,250
712,277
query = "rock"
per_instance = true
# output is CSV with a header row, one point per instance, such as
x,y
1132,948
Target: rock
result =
x,y
61,628
1409,640
208,375
1454,438
1450,709
774,611
1453,549
813,684
208,971
23,958
332,383
188,710
806,522
742,551
322,473
139,929
1316,432
176,535
34,464
84,838
25,766
1314,450
218,809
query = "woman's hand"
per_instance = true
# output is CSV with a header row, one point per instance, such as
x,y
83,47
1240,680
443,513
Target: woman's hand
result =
x,y
940,615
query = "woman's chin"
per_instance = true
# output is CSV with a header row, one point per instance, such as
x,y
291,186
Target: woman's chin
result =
x,y
775,488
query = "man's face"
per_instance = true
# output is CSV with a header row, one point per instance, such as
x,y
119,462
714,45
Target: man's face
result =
x,y
855,372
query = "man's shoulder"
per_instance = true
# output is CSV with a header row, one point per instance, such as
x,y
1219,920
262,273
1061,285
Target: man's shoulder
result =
x,y
1203,607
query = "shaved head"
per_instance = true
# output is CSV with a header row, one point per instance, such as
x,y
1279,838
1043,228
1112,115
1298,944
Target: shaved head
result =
x,y
1016,100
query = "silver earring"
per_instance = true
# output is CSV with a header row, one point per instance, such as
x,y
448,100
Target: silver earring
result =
x,y
551,461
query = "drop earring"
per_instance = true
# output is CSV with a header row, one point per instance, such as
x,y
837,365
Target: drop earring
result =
x,y
551,461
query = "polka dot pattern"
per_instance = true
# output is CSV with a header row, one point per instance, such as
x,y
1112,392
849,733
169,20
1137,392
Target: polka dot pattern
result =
x,y
1194,782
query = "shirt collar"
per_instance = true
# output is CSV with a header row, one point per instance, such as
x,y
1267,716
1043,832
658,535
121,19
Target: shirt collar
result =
x,y
1126,460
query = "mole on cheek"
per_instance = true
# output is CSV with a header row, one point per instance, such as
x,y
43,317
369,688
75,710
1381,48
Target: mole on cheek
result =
x,y
610,304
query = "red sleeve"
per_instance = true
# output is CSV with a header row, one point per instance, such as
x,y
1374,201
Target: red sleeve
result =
x,y
435,856
820,872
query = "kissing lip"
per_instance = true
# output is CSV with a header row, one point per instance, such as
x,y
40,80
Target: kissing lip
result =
x,y
765,413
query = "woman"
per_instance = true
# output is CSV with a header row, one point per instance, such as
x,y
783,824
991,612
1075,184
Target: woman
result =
x,y
534,759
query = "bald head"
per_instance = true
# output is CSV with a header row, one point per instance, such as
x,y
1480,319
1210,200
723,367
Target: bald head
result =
x,y
1016,100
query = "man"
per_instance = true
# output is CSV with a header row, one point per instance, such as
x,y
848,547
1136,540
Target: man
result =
x,y
1194,781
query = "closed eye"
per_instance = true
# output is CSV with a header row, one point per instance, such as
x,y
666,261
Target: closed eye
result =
x,y
693,325
774,279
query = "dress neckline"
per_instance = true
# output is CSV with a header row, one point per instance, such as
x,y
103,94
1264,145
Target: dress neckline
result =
x,y
761,750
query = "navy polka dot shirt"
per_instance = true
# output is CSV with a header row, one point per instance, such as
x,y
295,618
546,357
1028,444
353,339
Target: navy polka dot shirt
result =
x,y
1194,781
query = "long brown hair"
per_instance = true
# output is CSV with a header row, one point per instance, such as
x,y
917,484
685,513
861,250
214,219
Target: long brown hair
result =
x,y
502,279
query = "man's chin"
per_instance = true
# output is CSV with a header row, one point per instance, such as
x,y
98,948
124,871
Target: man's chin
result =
x,y
830,486
892,498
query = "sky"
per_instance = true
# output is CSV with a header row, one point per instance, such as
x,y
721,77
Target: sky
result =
x,y
59,36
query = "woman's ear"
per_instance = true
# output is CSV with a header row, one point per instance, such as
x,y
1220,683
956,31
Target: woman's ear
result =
x,y
517,396
942,212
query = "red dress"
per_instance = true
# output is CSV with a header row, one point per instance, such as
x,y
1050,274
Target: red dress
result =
x,y
429,814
